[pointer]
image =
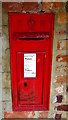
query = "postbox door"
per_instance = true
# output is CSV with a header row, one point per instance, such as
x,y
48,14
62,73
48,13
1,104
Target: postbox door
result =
x,y
30,88
31,34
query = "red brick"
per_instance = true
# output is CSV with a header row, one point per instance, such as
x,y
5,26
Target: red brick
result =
x,y
31,6
43,114
62,68
59,98
12,6
66,88
62,18
62,58
57,5
52,6
62,79
58,116
67,6
63,44
24,114
61,32
62,107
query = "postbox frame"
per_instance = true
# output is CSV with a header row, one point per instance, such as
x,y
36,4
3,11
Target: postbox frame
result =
x,y
15,103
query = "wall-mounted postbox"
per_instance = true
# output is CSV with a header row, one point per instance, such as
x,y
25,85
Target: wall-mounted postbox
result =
x,y
31,38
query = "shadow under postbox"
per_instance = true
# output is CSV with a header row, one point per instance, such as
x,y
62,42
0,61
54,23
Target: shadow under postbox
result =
x,y
31,39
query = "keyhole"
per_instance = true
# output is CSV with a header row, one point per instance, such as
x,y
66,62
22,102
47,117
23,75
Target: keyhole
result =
x,y
25,84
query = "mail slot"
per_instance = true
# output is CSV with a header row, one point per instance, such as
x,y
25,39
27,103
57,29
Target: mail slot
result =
x,y
31,39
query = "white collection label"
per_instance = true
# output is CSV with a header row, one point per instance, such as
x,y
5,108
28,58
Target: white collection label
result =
x,y
29,65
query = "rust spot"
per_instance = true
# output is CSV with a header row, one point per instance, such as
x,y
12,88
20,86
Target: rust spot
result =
x,y
18,96
32,93
27,97
33,98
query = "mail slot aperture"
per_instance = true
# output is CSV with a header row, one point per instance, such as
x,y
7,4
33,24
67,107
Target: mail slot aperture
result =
x,y
30,35
31,59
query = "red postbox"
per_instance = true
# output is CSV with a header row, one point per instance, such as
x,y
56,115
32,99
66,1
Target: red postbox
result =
x,y
31,38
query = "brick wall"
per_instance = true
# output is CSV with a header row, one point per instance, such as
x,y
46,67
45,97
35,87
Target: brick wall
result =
x,y
59,77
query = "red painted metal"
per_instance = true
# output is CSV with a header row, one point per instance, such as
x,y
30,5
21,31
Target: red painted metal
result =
x,y
31,33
